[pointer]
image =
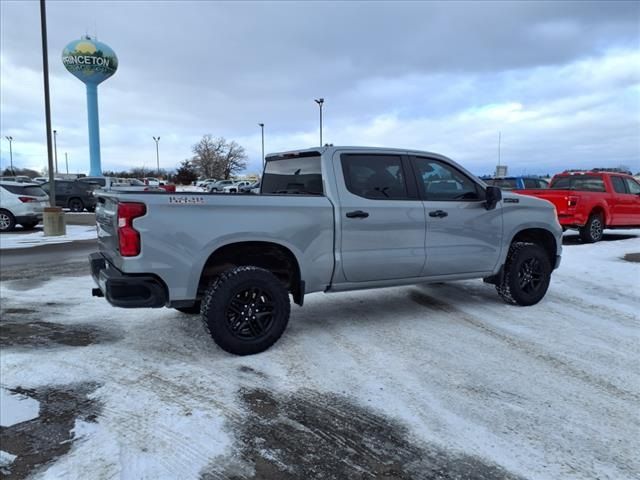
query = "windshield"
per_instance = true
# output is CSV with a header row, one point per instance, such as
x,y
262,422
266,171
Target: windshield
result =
x,y
297,176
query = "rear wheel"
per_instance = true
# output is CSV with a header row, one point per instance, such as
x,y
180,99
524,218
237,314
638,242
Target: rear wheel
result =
x,y
76,205
527,274
246,310
593,231
7,221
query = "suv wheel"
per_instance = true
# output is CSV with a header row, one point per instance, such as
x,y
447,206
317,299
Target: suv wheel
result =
x,y
76,205
593,230
7,221
246,310
527,274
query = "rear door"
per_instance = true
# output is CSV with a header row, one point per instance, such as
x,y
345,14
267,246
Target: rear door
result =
x,y
382,218
462,235
633,189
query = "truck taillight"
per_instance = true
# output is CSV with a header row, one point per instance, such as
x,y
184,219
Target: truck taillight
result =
x,y
572,201
128,237
27,199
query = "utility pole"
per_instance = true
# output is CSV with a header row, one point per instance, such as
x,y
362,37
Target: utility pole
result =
x,y
55,147
13,172
320,102
47,101
66,161
157,139
262,128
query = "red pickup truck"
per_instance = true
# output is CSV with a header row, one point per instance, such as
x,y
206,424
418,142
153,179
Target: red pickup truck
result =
x,y
592,201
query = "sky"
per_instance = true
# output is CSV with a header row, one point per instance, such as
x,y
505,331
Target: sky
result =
x,y
558,81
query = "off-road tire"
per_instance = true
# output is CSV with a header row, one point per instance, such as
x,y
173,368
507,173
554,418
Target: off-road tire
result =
x,y
7,221
527,274
192,310
593,230
76,205
29,225
246,310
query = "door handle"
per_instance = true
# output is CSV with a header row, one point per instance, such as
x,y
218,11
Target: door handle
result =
x,y
438,213
357,214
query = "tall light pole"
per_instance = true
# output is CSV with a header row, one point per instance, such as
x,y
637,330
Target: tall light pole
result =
x,y
55,147
11,154
66,161
320,102
47,102
157,139
262,128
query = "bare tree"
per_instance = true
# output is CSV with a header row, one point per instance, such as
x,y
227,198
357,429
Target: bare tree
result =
x,y
217,158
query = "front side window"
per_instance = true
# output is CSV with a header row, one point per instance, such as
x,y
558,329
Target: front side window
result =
x,y
299,175
633,186
377,177
442,182
618,184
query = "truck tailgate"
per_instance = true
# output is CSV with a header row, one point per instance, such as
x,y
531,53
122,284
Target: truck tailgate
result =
x,y
107,224
560,198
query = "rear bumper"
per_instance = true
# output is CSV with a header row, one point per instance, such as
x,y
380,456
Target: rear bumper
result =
x,y
29,218
126,290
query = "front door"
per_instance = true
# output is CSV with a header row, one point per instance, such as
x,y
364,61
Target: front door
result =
x,y
382,219
462,235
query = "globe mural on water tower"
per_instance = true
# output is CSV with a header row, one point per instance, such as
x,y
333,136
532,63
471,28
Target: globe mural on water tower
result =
x,y
92,62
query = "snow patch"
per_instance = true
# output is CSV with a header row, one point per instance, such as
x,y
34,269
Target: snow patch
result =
x,y
27,240
16,408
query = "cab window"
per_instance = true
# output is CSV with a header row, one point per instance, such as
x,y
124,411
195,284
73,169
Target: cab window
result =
x,y
618,184
377,177
441,182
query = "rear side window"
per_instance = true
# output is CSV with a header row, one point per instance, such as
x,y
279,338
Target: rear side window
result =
x,y
294,176
618,184
377,177
31,191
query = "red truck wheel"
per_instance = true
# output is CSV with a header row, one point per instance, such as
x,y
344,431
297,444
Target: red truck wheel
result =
x,y
593,231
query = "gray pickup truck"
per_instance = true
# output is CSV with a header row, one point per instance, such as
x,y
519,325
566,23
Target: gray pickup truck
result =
x,y
328,219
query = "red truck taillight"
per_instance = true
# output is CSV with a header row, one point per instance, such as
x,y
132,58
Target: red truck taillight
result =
x,y
129,237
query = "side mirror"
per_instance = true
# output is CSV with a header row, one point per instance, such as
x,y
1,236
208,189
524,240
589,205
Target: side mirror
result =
x,y
493,196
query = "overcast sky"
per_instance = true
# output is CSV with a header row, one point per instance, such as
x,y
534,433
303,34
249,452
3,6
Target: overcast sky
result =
x,y
561,81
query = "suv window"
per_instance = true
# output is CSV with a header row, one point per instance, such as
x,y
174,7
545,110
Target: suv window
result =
x,y
442,182
618,184
633,186
505,183
535,183
31,191
300,175
378,177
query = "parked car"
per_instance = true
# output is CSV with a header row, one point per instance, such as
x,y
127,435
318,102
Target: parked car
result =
x,y
518,183
153,182
40,179
592,201
220,184
21,203
234,188
73,194
327,220
250,188
202,183
126,184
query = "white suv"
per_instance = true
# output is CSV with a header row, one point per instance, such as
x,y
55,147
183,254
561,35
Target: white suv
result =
x,y
235,188
21,203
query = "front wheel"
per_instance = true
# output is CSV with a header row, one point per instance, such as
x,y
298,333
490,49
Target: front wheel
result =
x,y
593,231
527,274
246,310
76,205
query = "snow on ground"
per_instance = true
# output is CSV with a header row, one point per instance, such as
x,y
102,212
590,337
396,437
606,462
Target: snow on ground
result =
x,y
545,392
27,240
189,188
16,408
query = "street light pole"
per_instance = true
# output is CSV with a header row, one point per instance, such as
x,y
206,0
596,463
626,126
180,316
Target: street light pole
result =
x,y
11,154
47,102
157,139
262,128
55,147
66,161
320,102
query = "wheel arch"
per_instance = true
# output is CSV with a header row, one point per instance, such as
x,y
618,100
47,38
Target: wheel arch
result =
x,y
274,257
539,236
603,210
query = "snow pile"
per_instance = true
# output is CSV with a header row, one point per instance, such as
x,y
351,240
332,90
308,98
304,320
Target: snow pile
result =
x,y
549,391
27,240
16,408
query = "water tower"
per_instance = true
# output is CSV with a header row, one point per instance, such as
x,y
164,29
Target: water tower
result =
x,y
92,62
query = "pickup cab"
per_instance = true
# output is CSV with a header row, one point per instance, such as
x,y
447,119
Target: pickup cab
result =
x,y
592,201
329,219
